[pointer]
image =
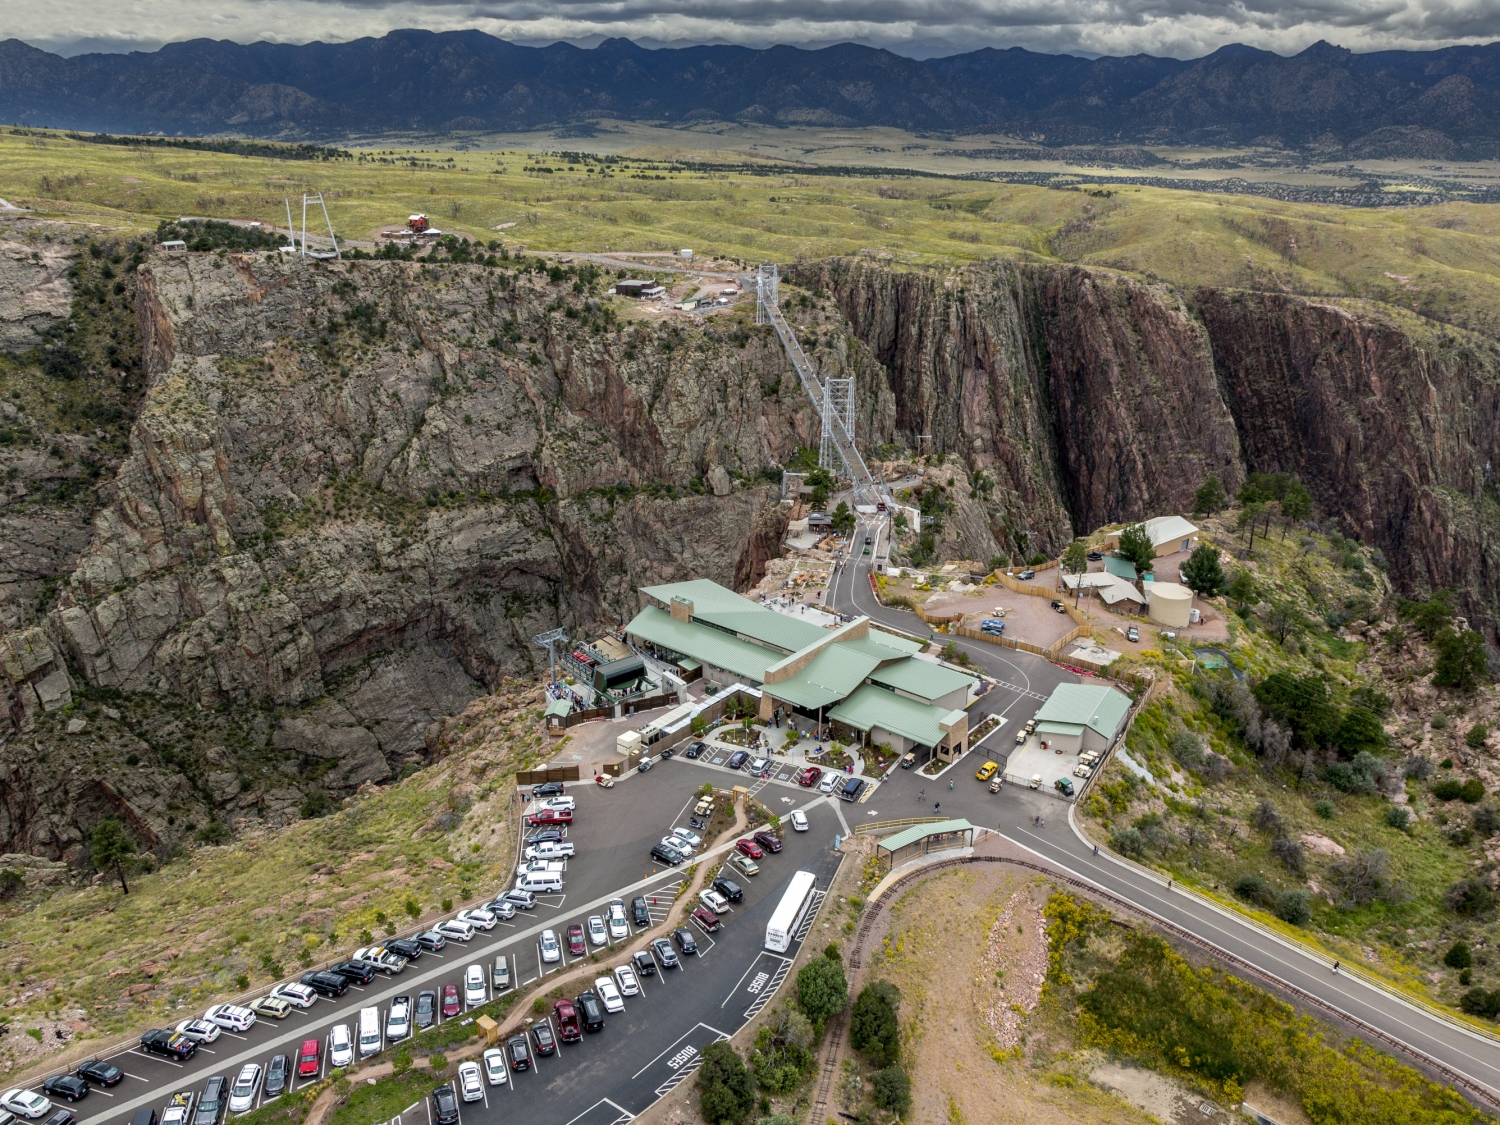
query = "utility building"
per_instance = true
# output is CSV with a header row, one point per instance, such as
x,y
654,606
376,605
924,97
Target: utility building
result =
x,y
1079,717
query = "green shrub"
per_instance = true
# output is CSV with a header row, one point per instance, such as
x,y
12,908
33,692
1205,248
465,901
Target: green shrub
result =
x,y
1470,898
1458,956
1128,841
725,1091
1326,809
873,1027
1251,887
892,1089
1448,789
822,990
1398,816
1472,791
1476,735
1291,907
1478,1002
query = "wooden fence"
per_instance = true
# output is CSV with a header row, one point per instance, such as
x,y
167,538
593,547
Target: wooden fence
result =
x,y
553,773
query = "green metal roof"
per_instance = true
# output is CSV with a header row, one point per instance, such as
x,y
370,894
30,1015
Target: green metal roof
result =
x,y
882,645
1120,568
563,707
828,678
873,706
922,678
908,836
1059,728
711,646
728,610
1091,705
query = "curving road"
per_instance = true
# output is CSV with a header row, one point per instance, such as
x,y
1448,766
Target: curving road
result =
x,y
1472,1057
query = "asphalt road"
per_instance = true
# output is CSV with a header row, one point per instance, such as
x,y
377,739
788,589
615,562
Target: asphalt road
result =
x,y
641,1052
1010,811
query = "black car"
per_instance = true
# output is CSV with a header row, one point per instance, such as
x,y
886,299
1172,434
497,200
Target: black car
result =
x,y
410,948
547,789
326,984
667,753
544,836
97,1070
211,1103
738,759
69,1087
592,1011
546,1042
695,750
644,965
670,856
520,1054
276,1072
168,1042
851,789
360,972
685,940
639,911
665,953
431,940
61,1117
729,889
445,1106
426,1013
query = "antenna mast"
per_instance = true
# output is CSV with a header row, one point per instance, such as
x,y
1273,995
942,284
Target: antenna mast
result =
x,y
304,224
336,254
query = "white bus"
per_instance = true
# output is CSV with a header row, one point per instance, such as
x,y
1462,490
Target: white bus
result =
x,y
790,912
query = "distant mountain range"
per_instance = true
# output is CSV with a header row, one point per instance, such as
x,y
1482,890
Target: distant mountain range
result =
x,y
1442,104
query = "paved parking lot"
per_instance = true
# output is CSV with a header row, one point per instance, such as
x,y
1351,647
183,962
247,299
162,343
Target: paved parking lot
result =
x,y
643,1051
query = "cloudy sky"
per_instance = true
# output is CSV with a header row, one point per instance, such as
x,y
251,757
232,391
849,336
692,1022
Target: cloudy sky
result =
x,y
1182,28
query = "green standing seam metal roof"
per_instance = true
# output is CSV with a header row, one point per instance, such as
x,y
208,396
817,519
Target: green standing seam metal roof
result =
x,y
1059,728
873,706
1120,568
828,677
882,645
726,609
908,836
687,664
563,707
922,678
1091,705
711,646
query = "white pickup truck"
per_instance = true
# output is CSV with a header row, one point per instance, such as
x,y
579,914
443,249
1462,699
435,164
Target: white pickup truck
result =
x,y
179,1110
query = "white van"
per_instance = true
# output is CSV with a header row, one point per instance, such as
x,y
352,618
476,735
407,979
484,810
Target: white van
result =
x,y
540,882
369,1032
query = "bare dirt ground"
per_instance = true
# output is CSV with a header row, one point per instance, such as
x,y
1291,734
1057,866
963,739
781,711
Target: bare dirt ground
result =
x,y
1027,618
968,951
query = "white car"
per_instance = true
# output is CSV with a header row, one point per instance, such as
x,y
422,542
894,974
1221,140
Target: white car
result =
x,y
758,765
799,821
455,930
25,1103
691,837
714,901
680,845
398,1019
625,978
496,1073
340,1046
232,1017
502,909
378,955
830,782
199,1031
540,867
595,928
605,989
297,995
470,1086
551,951
479,917
560,803
619,927
242,1093
474,987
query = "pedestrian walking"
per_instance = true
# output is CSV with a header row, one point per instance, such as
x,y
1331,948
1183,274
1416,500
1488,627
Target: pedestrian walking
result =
x,y
1335,968
1169,884
1096,849
950,786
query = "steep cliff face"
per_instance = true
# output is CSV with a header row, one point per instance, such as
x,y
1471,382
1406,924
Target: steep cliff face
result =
x,y
1096,398
352,494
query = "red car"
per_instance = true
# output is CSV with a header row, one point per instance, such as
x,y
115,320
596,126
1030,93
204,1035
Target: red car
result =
x,y
750,848
809,777
451,1006
569,1030
309,1059
768,840
706,918
576,944
550,816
